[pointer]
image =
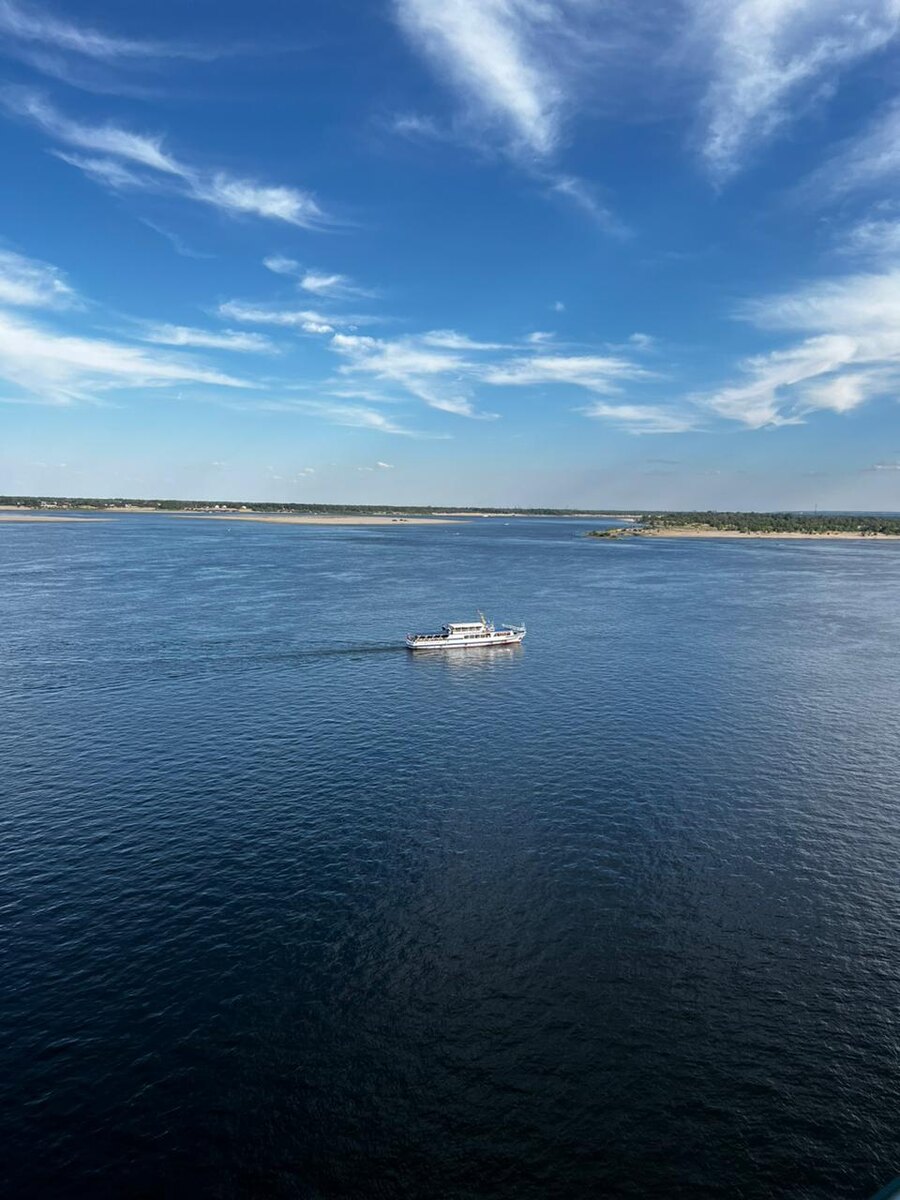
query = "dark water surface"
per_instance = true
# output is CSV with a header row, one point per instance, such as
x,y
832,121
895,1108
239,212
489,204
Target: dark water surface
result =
x,y
289,912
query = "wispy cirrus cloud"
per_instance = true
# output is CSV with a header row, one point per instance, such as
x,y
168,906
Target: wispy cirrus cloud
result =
x,y
449,370
643,418
30,25
450,339
490,51
585,198
769,60
435,376
849,352
350,416
864,163
141,149
445,370
204,339
29,283
328,284
58,368
874,238
306,320
517,67
51,366
596,373
92,59
141,161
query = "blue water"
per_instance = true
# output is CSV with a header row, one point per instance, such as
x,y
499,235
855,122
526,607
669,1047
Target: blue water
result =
x,y
290,912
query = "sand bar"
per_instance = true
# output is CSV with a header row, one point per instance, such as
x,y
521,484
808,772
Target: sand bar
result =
x,y
28,519
310,520
836,535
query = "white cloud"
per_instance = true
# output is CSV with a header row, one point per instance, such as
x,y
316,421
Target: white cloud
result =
x,y
325,285
642,341
449,339
583,196
175,241
307,320
318,283
596,373
145,150
642,418
491,52
107,172
59,368
415,125
353,416
873,238
383,466
558,306
29,24
863,305
228,193
281,265
870,160
181,335
771,58
28,283
245,196
851,353
438,368
435,376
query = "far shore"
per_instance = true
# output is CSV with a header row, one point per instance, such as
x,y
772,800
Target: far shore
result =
x,y
10,512
306,520
29,518
692,532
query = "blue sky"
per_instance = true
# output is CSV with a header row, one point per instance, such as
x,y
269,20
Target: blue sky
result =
x,y
533,252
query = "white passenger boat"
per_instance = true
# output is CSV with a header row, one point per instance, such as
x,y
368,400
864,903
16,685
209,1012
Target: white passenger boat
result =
x,y
462,635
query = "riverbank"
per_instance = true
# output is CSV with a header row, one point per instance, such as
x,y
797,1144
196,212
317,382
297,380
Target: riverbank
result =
x,y
29,518
696,531
7,513
308,520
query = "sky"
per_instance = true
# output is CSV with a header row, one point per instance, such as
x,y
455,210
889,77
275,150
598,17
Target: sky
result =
x,y
567,253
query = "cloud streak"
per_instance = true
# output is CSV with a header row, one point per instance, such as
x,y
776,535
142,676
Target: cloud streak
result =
x,y
864,163
771,59
203,339
28,283
305,319
596,373
489,51
351,416
141,161
318,283
850,352
57,368
642,418
29,24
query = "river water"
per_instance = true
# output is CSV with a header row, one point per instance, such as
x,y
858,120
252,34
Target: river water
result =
x,y
290,912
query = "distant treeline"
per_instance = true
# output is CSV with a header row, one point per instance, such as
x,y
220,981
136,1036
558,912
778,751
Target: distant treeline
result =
x,y
749,522
267,507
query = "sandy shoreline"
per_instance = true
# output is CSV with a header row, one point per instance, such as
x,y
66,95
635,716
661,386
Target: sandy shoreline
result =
x,y
28,518
308,520
11,513
837,535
